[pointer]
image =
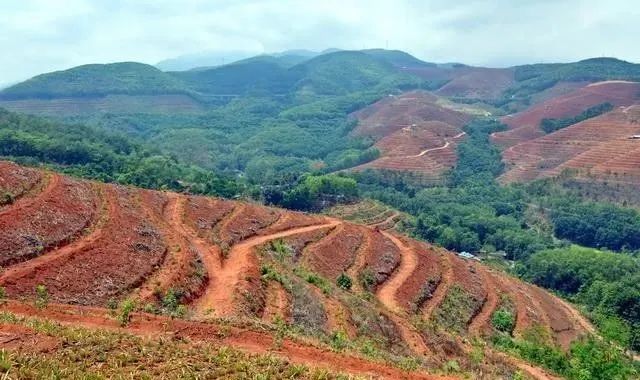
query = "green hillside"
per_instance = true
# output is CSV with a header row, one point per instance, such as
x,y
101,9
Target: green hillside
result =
x,y
398,58
129,78
349,71
99,154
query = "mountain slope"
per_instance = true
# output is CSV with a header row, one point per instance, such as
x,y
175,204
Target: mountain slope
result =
x,y
226,259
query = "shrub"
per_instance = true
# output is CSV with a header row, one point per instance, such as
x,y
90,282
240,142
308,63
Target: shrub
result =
x,y
42,297
344,281
126,308
503,321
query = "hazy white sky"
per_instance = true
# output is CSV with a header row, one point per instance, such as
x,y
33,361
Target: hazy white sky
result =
x,y
43,35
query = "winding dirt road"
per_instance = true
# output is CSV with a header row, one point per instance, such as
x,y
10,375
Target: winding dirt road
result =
x,y
387,292
219,296
442,289
445,146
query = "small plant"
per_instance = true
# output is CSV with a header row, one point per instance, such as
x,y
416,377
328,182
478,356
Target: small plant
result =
x,y
367,279
281,331
6,199
126,308
344,281
339,340
452,366
3,295
42,297
503,321
112,306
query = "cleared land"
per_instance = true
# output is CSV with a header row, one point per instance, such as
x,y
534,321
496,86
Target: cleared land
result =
x,y
262,265
414,132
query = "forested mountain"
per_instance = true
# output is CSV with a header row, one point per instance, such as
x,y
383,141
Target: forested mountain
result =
x,y
128,78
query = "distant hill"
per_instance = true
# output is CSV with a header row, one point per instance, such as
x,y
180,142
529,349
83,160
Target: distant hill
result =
x,y
346,71
129,78
204,59
398,58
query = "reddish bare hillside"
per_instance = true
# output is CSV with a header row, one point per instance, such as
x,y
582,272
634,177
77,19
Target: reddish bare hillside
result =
x,y
15,181
600,148
142,243
414,133
525,125
55,216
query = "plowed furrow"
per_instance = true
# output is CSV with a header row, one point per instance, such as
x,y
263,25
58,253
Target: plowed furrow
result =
x,y
108,210
442,289
387,291
219,297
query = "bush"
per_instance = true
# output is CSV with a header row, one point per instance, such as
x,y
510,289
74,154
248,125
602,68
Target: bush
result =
x,y
126,308
503,321
344,281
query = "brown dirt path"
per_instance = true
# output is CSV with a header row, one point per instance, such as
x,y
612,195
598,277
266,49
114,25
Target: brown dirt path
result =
x,y
219,295
258,342
386,222
483,317
442,289
359,262
107,209
387,291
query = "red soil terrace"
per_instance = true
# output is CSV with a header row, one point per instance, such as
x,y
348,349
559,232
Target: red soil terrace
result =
x,y
602,148
525,126
414,133
139,243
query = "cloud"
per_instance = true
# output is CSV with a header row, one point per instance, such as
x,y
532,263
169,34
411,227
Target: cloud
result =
x,y
38,35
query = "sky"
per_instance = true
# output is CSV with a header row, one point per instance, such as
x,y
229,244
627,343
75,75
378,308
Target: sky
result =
x,y
39,36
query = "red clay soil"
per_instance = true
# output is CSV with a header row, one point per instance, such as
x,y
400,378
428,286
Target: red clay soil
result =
x,y
23,339
117,258
466,274
291,219
415,134
17,180
338,317
335,253
600,147
393,113
202,214
525,125
183,269
477,83
382,260
298,243
528,310
360,261
563,325
152,326
34,226
240,274
444,285
387,293
246,221
482,320
277,304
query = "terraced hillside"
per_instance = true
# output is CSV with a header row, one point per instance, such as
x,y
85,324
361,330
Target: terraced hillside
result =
x,y
91,245
525,125
415,132
601,148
